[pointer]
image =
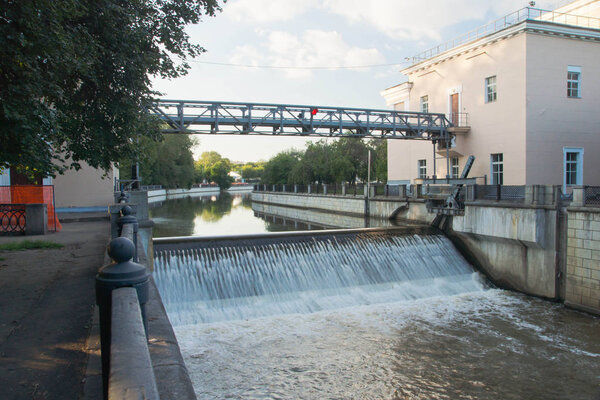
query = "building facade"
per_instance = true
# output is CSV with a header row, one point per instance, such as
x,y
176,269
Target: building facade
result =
x,y
524,97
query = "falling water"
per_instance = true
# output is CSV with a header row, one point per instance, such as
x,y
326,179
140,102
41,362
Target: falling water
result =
x,y
305,276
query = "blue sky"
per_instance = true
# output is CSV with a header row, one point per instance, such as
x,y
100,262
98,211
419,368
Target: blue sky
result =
x,y
316,34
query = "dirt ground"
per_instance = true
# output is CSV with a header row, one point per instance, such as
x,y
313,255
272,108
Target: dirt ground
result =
x,y
46,308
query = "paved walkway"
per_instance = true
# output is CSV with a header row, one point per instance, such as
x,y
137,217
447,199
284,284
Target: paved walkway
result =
x,y
46,309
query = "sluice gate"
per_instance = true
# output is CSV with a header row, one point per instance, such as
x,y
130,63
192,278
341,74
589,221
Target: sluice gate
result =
x,y
215,279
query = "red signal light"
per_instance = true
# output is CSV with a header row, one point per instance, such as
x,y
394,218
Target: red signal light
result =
x,y
314,111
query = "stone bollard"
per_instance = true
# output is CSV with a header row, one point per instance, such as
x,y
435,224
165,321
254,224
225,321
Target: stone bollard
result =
x,y
121,273
129,219
123,197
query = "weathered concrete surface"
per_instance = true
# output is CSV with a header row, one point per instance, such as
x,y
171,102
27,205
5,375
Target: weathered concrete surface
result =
x,y
382,208
583,259
515,246
46,307
131,372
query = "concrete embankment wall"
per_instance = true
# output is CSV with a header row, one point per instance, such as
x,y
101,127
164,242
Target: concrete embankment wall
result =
x,y
583,259
163,194
516,246
343,205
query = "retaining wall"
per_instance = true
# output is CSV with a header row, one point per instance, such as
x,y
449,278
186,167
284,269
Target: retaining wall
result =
x,y
583,259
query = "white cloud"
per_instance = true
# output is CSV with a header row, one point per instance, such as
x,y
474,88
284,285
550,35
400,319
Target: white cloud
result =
x,y
414,20
314,48
261,11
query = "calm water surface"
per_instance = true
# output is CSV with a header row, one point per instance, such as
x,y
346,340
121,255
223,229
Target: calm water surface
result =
x,y
222,214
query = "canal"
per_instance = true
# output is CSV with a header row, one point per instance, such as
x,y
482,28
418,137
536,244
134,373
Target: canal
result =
x,y
433,335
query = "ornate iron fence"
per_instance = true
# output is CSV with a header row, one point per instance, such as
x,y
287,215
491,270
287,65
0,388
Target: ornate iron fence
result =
x,y
12,219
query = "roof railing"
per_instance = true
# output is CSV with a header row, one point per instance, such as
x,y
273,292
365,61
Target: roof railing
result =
x,y
527,13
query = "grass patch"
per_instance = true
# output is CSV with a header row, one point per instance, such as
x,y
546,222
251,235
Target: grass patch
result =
x,y
29,244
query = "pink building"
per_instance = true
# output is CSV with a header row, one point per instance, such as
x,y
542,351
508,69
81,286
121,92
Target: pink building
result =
x,y
523,93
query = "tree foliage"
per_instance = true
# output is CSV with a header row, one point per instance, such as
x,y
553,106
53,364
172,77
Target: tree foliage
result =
x,y
75,76
169,162
211,167
344,160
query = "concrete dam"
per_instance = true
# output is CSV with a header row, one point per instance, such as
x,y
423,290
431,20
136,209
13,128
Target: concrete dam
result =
x,y
367,313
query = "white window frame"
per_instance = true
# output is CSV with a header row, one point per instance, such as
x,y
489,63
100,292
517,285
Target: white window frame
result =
x,y
493,178
422,169
578,165
572,69
491,89
455,167
425,103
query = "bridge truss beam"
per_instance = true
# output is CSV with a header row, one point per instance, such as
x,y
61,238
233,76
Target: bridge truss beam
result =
x,y
208,117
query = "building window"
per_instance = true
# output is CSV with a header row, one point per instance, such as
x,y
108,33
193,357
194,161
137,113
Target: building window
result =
x,y
573,166
425,104
573,81
490,89
422,169
455,167
497,168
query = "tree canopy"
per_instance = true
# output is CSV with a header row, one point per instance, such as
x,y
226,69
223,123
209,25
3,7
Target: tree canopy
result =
x,y
75,76
213,168
343,160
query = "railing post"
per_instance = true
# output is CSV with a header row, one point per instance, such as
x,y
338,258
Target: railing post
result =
x,y
324,188
578,196
274,188
498,192
129,218
295,188
283,188
344,189
309,189
121,273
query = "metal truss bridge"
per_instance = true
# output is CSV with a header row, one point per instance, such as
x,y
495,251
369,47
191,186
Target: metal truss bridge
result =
x,y
210,117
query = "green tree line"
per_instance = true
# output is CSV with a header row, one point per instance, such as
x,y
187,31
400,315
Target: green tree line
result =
x,y
343,160
171,163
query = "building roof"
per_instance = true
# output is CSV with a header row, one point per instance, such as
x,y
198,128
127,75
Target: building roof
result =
x,y
528,18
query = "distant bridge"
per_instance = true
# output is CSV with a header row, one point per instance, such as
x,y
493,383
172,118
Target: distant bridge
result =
x,y
212,117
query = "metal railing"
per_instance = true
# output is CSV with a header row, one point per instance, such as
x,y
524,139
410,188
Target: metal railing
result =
x,y
527,13
459,120
500,192
13,219
591,195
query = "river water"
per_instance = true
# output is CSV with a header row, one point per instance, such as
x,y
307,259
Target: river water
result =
x,y
429,328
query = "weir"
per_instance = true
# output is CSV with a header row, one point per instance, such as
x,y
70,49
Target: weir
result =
x,y
240,279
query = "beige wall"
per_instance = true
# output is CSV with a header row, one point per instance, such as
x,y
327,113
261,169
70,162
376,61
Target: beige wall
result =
x,y
84,188
553,119
496,127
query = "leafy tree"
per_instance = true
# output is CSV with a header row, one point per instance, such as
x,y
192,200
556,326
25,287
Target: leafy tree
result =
x,y
379,160
75,75
252,171
278,168
169,162
214,168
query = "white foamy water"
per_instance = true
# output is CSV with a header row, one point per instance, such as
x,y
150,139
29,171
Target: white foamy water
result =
x,y
375,317
227,283
480,345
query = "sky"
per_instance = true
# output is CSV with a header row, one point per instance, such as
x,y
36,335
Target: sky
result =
x,y
330,43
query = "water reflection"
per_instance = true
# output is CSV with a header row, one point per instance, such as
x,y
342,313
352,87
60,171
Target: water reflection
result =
x,y
214,214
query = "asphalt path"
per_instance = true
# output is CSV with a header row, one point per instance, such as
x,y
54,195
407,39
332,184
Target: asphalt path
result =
x,y
46,309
